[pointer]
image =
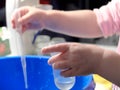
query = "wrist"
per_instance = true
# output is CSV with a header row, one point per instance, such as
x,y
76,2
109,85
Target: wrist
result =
x,y
100,61
98,54
95,54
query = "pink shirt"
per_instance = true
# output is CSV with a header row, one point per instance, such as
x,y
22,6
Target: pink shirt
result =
x,y
108,18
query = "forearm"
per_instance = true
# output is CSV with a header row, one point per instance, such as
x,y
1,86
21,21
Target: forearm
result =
x,y
109,67
82,23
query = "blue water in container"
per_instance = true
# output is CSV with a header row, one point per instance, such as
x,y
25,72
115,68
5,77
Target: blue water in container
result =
x,y
39,75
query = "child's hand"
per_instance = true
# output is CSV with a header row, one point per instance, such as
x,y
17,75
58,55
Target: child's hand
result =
x,y
75,58
28,18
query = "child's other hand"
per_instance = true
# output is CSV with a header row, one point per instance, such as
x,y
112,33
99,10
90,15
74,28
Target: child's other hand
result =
x,y
75,58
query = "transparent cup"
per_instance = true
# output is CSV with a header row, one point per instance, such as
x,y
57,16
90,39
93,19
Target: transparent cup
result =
x,y
62,83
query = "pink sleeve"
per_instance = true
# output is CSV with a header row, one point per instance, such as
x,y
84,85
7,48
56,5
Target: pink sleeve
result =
x,y
108,18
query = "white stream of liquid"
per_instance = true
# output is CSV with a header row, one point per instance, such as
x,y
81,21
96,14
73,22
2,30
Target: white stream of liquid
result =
x,y
20,48
23,62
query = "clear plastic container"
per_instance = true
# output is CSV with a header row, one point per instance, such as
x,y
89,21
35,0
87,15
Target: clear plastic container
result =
x,y
63,83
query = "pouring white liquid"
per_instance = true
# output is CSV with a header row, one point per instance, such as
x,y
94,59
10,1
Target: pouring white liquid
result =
x,y
23,62
20,48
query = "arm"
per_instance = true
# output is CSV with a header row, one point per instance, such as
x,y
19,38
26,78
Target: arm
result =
x,y
81,23
83,59
109,66
104,21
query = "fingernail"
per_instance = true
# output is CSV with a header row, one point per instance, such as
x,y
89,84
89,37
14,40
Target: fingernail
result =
x,y
49,62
